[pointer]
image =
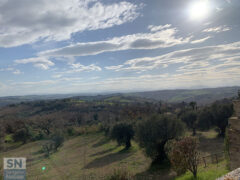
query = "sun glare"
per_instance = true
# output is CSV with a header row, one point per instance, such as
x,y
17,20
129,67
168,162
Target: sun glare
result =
x,y
199,10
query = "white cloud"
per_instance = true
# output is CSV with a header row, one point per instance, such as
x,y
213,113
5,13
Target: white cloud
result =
x,y
217,29
17,71
27,21
39,62
80,68
200,40
153,28
194,58
160,39
12,70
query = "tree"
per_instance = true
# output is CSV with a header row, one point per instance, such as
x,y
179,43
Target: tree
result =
x,y
58,140
193,105
123,133
185,156
205,119
153,133
1,137
190,118
21,135
221,113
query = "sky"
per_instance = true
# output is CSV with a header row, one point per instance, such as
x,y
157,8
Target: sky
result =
x,y
95,46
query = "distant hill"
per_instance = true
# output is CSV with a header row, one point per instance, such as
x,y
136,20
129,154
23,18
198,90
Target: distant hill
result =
x,y
201,96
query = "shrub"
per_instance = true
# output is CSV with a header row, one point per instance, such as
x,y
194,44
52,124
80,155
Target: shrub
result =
x,y
185,156
153,133
123,133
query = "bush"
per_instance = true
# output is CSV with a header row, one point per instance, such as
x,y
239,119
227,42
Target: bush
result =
x,y
185,156
119,175
153,133
123,133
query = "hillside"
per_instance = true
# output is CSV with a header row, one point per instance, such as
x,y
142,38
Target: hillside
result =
x,y
94,156
201,96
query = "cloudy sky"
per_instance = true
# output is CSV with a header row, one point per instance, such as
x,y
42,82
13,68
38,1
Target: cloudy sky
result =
x,y
92,46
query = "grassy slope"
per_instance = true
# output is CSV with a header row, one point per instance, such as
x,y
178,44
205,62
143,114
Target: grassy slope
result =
x,y
95,156
81,156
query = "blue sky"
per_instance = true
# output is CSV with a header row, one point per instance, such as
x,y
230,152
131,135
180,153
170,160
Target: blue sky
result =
x,y
93,46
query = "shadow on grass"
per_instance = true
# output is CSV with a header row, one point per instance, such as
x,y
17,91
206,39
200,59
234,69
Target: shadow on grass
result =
x,y
109,159
101,142
102,152
211,145
157,171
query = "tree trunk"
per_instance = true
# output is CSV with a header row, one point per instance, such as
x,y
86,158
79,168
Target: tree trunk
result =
x,y
128,143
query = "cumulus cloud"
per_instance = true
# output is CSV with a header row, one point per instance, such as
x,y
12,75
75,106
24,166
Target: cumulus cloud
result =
x,y
39,62
217,29
160,39
27,21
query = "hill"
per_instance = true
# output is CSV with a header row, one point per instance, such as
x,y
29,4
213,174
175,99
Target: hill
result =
x,y
201,96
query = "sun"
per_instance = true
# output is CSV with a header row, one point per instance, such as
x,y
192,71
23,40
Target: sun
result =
x,y
199,10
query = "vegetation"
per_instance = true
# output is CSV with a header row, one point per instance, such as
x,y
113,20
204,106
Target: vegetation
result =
x,y
74,128
185,156
153,133
123,133
119,174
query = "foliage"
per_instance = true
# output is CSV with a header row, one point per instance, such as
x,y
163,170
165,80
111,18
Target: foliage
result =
x,y
185,156
205,119
190,118
122,133
210,173
58,140
21,135
221,113
119,175
153,133
53,143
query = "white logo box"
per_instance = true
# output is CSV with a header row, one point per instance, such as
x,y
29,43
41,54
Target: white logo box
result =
x,y
14,163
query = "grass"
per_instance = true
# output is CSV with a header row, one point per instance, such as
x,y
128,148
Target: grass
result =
x,y
84,156
95,156
212,172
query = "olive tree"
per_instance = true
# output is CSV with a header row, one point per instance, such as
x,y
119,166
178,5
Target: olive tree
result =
x,y
123,133
153,133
